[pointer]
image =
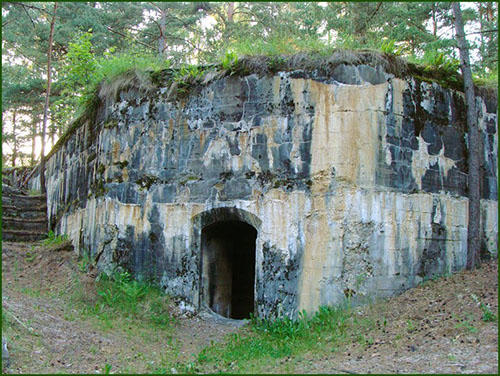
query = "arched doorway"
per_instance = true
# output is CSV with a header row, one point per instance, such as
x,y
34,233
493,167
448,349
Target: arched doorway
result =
x,y
228,268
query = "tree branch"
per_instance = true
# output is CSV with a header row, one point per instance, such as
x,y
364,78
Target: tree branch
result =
x,y
483,31
24,5
31,19
371,18
125,36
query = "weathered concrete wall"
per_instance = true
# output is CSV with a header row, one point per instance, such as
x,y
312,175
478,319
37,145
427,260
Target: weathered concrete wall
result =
x,y
354,189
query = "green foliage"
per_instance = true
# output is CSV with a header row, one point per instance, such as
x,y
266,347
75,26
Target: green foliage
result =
x,y
80,61
188,72
278,44
410,326
30,256
84,263
83,73
6,324
467,324
487,80
119,295
488,316
438,60
273,339
229,61
52,239
112,65
389,47
107,369
187,75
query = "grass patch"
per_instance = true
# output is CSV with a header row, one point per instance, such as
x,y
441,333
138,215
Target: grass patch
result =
x,y
266,341
125,302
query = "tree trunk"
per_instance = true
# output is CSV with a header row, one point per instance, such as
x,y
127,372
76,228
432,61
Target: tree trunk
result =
x,y
43,188
434,20
52,133
14,140
34,132
473,238
228,24
162,41
482,45
230,12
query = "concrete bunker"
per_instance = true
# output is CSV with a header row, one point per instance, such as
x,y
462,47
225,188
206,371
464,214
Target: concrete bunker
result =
x,y
354,181
227,245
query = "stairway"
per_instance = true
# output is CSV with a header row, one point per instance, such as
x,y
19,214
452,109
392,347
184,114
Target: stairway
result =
x,y
24,218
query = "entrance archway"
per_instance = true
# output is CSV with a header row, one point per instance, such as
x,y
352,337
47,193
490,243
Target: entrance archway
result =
x,y
226,238
228,268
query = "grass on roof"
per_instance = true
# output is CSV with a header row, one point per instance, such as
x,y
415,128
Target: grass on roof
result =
x,y
324,62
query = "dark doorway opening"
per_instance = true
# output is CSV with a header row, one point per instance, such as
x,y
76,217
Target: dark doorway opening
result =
x,y
228,262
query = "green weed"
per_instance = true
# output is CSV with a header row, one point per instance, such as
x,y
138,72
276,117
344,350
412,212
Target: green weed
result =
x,y
489,80
488,316
52,239
186,76
466,323
410,326
30,256
229,61
280,44
389,47
107,369
5,322
84,263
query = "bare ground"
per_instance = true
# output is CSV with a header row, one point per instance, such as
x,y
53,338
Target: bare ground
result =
x,y
434,328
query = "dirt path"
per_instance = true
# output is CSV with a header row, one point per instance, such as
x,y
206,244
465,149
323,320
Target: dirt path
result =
x,y
435,328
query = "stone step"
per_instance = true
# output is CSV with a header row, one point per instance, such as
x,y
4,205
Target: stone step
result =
x,y
37,224
25,202
22,236
24,218
15,212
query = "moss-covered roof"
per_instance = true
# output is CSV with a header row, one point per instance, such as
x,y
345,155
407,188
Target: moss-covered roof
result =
x,y
180,79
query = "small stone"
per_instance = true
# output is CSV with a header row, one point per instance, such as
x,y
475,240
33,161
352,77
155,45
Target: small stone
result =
x,y
5,354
